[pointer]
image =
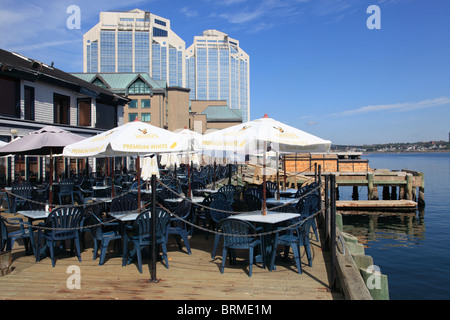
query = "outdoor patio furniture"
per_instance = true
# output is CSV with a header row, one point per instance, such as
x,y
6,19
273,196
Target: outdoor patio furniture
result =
x,y
202,213
21,193
219,210
307,206
102,234
8,237
178,225
229,191
237,235
294,238
61,224
253,202
66,189
140,235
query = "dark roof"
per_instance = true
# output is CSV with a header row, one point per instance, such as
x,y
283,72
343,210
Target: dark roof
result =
x,y
18,66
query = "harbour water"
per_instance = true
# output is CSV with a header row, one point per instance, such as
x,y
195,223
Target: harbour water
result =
x,y
414,252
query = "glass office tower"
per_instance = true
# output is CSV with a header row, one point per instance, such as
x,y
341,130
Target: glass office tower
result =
x,y
135,41
218,69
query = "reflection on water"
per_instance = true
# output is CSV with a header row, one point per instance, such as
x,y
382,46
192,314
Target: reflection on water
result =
x,y
394,229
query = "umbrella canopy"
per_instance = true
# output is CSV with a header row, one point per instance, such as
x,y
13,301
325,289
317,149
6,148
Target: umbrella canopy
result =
x,y
251,137
45,141
149,167
131,139
258,136
2,144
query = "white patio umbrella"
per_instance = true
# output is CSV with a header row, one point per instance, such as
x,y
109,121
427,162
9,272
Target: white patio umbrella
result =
x,y
258,136
131,139
49,140
190,157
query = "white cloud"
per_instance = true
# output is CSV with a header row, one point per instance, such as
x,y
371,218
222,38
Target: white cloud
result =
x,y
395,107
188,12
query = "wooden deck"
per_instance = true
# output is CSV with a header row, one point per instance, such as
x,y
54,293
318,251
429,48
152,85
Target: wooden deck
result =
x,y
190,277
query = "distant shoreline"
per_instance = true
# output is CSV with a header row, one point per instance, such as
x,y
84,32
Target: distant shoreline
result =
x,y
410,151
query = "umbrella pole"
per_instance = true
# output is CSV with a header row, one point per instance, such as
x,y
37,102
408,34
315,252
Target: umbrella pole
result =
x,y
214,176
278,176
50,182
264,208
284,168
153,226
189,180
139,182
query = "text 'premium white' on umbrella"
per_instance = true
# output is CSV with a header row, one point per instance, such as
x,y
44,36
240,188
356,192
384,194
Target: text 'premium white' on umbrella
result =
x,y
258,135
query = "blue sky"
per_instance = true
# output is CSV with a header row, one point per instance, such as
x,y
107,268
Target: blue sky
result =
x,y
314,64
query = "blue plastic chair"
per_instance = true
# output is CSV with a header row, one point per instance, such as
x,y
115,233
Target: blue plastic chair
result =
x,y
66,188
219,210
178,227
140,235
253,202
307,206
229,191
202,213
294,238
8,238
20,194
237,234
126,202
101,235
62,224
254,191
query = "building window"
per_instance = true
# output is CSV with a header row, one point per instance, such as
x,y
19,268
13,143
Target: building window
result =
x,y
84,112
61,109
145,117
9,93
29,102
106,116
139,87
163,23
132,117
107,51
159,32
133,104
99,83
145,103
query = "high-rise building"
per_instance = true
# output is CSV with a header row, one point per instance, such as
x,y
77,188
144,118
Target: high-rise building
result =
x,y
218,69
135,41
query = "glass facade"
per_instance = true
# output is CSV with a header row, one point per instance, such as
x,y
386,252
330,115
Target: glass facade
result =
x,y
139,44
125,51
107,51
142,52
218,70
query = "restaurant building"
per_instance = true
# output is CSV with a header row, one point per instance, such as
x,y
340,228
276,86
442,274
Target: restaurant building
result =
x,y
34,94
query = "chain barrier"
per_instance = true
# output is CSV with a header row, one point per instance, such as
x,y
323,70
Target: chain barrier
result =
x,y
101,223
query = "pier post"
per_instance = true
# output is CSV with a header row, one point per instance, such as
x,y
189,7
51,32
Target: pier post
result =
x,y
333,232
409,177
393,193
370,185
386,193
421,199
355,194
